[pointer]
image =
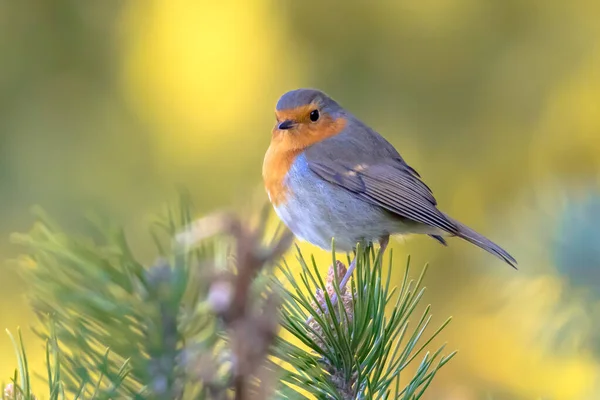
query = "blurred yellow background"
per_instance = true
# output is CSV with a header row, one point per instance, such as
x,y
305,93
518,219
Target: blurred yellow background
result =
x,y
112,104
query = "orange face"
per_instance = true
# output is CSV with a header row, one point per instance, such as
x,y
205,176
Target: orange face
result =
x,y
303,126
296,129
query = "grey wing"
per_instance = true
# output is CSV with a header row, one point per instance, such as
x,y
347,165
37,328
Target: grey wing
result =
x,y
389,183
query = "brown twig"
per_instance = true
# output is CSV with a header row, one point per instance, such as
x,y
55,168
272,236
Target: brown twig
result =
x,y
251,320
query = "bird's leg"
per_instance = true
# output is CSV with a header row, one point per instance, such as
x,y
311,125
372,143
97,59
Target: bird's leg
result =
x,y
345,280
383,243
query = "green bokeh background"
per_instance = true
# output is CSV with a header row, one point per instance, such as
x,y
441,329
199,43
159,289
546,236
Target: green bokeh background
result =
x,y
111,104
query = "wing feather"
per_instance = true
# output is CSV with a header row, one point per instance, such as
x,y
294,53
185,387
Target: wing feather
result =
x,y
389,183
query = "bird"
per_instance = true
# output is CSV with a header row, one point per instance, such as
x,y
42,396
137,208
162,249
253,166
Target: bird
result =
x,y
330,177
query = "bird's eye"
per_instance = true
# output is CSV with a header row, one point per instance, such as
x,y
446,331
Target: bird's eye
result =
x,y
314,115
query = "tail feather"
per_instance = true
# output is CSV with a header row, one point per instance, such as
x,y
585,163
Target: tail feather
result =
x,y
481,241
440,239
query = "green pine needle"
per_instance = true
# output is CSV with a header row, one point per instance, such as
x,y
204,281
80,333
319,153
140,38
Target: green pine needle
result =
x,y
364,353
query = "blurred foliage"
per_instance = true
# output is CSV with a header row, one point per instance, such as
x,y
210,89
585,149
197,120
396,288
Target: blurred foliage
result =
x,y
203,322
111,103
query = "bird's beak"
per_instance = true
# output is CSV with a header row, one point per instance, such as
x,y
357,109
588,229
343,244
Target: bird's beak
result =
x,y
285,125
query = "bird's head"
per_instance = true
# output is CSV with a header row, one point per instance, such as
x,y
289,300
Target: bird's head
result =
x,y
306,116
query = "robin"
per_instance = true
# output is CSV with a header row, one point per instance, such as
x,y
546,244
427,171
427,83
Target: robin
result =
x,y
330,176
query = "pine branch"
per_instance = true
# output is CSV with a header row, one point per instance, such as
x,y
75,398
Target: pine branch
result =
x,y
362,351
202,322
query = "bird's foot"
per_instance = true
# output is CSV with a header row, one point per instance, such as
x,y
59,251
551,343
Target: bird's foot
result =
x,y
334,298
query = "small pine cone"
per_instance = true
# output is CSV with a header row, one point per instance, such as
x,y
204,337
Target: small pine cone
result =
x,y
329,286
318,335
346,295
346,300
341,271
348,305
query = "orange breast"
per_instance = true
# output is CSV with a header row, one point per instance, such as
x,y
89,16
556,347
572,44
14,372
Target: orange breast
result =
x,y
286,146
278,162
